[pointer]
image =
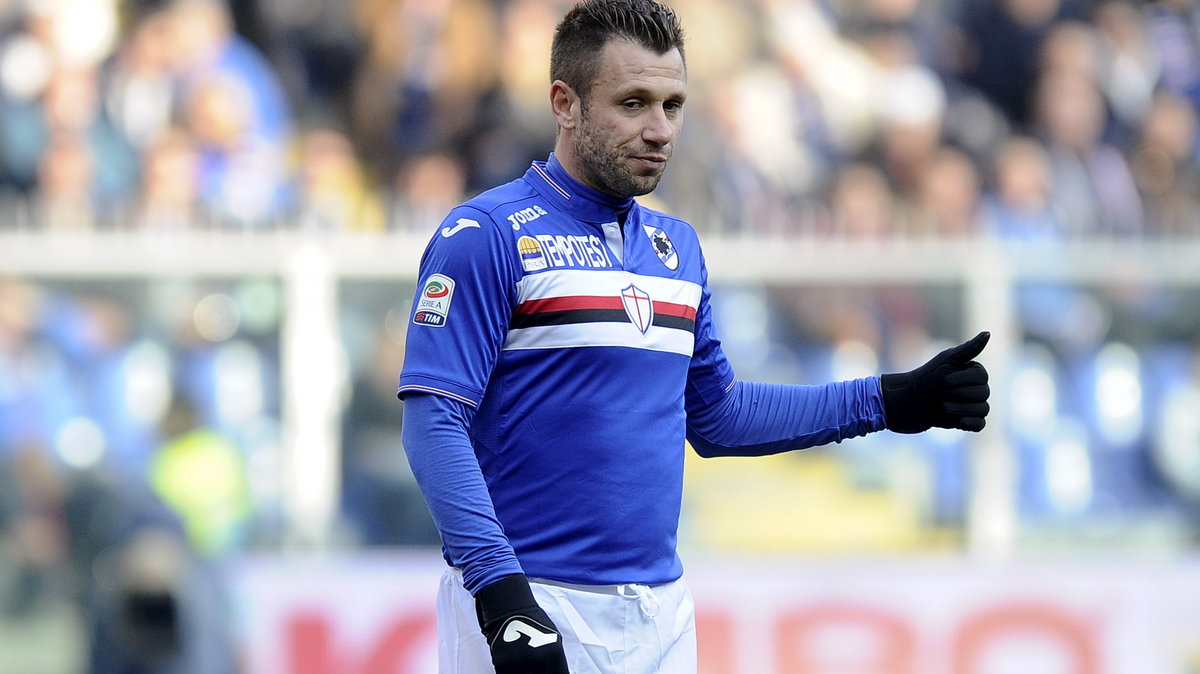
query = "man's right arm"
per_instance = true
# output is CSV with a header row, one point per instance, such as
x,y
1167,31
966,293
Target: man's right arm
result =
x,y
438,445
521,637
460,318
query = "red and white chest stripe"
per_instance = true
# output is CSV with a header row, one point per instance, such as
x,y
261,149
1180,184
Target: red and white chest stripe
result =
x,y
571,308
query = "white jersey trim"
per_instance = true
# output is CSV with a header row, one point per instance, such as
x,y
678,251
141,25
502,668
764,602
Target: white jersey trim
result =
x,y
601,334
567,282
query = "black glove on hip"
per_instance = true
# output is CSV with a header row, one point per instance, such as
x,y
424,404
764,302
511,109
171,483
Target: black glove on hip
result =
x,y
522,638
950,391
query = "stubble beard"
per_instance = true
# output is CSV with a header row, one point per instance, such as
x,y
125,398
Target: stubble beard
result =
x,y
604,167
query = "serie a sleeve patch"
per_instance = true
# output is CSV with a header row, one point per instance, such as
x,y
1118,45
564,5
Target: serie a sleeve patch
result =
x,y
433,306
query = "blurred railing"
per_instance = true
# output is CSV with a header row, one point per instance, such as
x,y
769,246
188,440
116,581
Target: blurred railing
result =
x,y
310,266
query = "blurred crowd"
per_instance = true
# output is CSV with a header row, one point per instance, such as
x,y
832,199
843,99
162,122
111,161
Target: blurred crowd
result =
x,y
140,420
846,118
137,426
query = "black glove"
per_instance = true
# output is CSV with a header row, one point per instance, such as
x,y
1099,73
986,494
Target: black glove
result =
x,y
520,635
950,391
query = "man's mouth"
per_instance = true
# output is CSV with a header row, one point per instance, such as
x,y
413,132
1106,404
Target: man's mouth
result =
x,y
652,161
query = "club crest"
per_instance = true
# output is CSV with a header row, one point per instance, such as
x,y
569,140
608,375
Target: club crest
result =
x,y
638,306
663,247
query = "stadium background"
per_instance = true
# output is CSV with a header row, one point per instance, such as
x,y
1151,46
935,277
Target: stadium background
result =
x,y
210,219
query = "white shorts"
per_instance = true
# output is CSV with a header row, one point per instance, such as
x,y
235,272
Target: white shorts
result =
x,y
606,629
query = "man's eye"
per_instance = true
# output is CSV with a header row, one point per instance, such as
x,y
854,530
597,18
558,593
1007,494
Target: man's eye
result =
x,y
633,105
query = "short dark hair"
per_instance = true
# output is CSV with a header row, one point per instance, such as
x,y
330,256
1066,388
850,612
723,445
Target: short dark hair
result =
x,y
583,32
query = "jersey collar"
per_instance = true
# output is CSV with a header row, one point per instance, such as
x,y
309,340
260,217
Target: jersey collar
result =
x,y
587,204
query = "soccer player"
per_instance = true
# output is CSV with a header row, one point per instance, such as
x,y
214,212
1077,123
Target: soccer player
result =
x,y
562,348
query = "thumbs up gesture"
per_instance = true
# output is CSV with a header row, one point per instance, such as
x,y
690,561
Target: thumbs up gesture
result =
x,y
949,391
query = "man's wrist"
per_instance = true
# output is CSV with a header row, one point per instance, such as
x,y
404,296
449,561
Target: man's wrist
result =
x,y
904,405
502,598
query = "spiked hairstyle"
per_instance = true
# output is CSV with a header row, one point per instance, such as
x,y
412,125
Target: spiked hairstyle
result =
x,y
583,32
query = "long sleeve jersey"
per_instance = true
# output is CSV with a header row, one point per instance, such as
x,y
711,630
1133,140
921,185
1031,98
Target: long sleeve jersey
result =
x,y
567,340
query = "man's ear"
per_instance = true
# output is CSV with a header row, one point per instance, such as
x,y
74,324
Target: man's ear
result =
x,y
565,104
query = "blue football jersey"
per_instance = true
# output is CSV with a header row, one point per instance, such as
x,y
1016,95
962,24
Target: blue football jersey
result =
x,y
581,337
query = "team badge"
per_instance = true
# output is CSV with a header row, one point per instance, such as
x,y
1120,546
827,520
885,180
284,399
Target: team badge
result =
x,y
433,306
638,306
532,257
662,246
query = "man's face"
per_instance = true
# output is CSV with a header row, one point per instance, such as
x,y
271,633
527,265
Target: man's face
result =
x,y
630,119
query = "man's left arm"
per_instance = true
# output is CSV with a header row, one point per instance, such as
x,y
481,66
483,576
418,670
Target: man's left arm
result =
x,y
754,419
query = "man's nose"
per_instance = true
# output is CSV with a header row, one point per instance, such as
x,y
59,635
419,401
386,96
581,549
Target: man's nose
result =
x,y
659,129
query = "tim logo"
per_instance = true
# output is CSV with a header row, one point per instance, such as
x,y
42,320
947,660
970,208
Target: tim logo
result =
x,y
638,306
429,318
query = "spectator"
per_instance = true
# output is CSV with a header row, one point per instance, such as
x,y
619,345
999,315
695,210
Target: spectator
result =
x,y
1018,207
37,590
805,40
1164,168
428,70
233,103
948,201
205,48
1171,25
379,493
765,162
94,335
201,476
69,107
65,185
1092,183
169,199
33,519
151,605
39,393
1130,67
513,131
425,189
139,86
316,49
1003,39
911,108
242,176
861,203
332,193
25,67
1071,47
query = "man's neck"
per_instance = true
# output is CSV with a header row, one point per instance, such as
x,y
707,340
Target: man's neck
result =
x,y
561,172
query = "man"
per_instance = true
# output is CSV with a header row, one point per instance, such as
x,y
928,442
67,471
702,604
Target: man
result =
x,y
562,348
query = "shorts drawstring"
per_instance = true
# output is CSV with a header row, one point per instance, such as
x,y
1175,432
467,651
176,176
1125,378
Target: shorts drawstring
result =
x,y
647,601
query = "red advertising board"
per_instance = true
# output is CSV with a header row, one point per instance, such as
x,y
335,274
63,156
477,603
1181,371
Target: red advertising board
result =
x,y
375,615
